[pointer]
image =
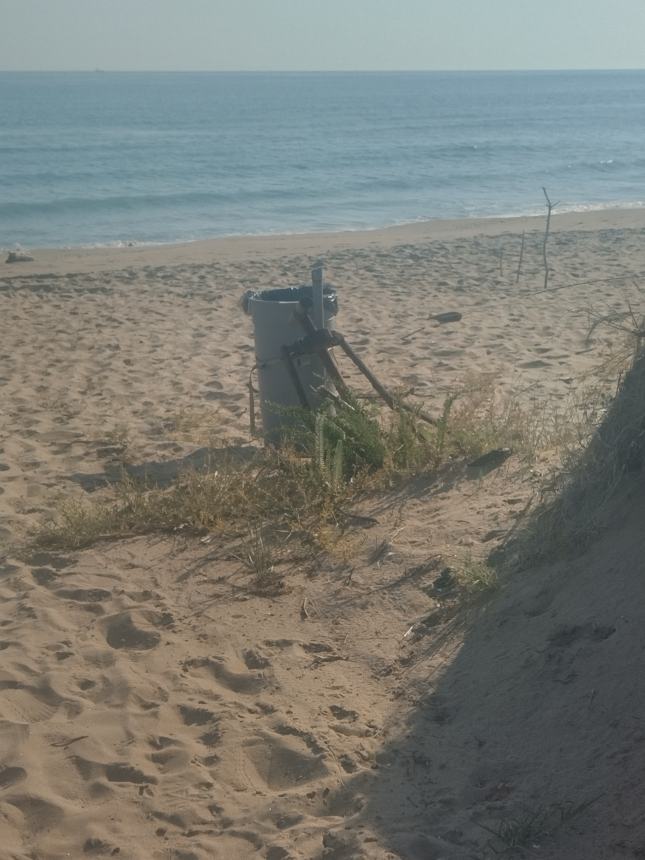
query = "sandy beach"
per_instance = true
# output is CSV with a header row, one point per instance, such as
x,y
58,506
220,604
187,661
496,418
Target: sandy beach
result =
x,y
149,708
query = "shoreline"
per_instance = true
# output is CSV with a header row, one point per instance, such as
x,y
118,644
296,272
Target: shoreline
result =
x,y
82,260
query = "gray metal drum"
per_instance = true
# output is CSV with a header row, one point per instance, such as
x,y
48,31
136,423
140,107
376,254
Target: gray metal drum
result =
x,y
276,324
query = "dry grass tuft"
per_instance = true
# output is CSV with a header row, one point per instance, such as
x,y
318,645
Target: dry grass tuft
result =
x,y
576,506
475,576
530,826
259,560
304,489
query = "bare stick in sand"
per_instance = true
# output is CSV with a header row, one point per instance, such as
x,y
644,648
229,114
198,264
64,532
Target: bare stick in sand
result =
x,y
519,265
549,208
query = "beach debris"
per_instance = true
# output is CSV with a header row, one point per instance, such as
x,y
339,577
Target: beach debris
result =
x,y
19,256
492,459
446,317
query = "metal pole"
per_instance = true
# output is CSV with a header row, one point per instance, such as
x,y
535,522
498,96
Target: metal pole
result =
x,y
318,310
377,386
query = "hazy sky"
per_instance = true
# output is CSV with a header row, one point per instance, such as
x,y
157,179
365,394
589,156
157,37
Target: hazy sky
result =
x,y
321,34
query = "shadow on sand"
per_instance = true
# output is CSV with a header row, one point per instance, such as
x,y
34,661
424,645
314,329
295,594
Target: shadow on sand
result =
x,y
521,731
162,473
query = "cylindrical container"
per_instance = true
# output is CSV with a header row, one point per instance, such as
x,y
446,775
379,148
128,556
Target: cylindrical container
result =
x,y
276,325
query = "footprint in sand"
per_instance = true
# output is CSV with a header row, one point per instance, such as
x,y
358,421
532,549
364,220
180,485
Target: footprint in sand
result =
x,y
277,852
115,772
7,569
568,634
280,763
10,776
126,773
202,717
255,660
39,814
244,682
308,738
101,847
12,737
48,559
43,575
132,630
171,760
539,603
83,595
196,716
22,703
536,363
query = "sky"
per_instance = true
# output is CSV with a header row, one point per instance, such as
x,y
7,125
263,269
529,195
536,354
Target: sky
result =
x,y
283,35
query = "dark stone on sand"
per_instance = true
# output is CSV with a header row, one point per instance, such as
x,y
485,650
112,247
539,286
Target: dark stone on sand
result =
x,y
447,317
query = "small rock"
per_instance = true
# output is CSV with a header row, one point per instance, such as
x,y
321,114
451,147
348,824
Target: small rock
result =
x,y
447,317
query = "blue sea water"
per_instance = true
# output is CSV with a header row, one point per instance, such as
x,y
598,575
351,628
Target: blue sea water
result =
x,y
104,158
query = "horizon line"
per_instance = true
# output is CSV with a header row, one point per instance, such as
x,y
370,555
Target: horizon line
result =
x,y
101,70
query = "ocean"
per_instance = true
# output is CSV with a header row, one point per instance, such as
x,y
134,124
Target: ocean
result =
x,y
102,158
